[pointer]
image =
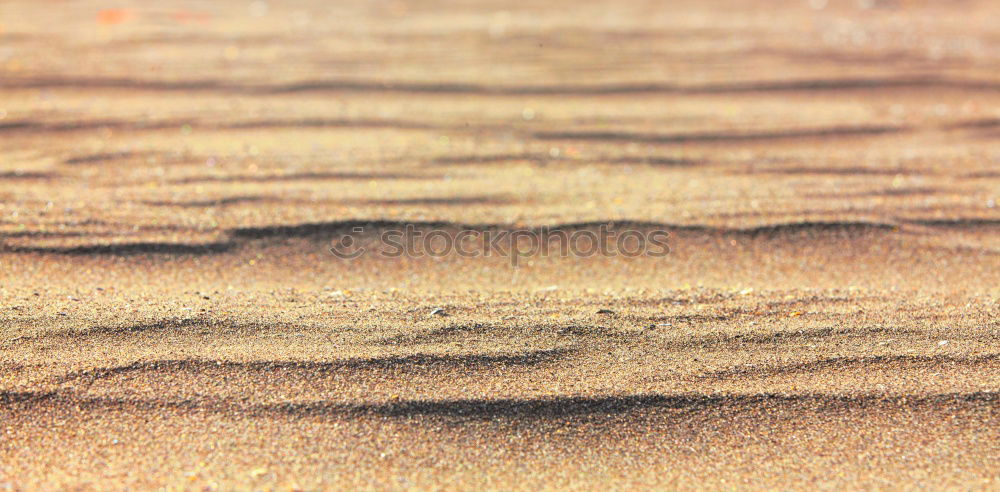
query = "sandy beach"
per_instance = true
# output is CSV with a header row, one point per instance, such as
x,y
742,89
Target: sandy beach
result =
x,y
176,178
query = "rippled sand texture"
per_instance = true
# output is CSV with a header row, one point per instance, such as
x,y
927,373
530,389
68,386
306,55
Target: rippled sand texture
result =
x,y
172,175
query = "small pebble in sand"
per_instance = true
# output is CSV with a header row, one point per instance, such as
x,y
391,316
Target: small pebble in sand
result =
x,y
605,311
438,312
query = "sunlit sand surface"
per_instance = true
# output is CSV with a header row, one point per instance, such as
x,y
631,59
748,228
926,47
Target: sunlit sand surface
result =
x,y
173,175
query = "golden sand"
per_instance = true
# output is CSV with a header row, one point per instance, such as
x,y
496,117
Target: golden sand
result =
x,y
172,176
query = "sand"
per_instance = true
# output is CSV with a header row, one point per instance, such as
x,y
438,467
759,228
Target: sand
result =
x,y
173,176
